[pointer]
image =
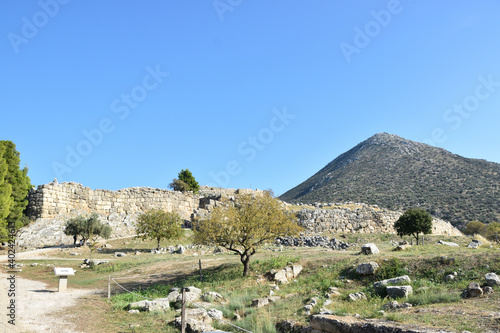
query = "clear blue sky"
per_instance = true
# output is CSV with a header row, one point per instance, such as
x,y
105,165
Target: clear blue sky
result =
x,y
260,94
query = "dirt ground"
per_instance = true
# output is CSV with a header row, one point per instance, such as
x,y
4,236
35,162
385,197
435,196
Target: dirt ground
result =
x,y
37,308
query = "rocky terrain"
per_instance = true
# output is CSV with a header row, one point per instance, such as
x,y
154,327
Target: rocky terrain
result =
x,y
397,174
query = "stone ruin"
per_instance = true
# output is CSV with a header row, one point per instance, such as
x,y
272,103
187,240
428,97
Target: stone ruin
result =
x,y
51,205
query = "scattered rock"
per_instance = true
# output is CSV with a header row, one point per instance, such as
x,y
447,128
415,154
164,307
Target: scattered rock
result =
x,y
214,313
402,247
492,279
474,290
133,311
393,281
312,241
285,275
156,306
394,305
181,249
368,268
260,302
473,245
488,290
448,243
369,248
288,326
357,296
449,277
399,291
352,324
120,254
212,296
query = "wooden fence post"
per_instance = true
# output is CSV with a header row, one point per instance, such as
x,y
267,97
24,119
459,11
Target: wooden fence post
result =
x,y
201,275
183,311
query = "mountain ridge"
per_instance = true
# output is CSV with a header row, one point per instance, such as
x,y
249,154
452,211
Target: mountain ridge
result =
x,y
396,173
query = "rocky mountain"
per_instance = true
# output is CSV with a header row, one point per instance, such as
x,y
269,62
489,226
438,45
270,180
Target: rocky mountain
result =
x,y
397,174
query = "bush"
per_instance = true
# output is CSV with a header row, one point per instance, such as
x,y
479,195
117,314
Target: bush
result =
x,y
390,269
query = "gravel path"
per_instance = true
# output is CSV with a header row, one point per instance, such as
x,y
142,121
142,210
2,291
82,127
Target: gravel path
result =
x,y
36,306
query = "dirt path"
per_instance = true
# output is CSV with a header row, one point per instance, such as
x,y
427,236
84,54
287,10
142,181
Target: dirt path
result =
x,y
36,306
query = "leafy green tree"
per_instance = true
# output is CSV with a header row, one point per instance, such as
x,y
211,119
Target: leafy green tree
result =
x,y
185,177
246,225
413,222
474,228
13,180
158,224
88,227
492,231
5,196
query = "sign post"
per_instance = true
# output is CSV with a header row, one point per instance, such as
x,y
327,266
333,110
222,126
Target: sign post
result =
x,y
63,274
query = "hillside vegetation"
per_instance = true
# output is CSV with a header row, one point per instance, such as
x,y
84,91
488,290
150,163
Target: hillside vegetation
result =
x,y
398,174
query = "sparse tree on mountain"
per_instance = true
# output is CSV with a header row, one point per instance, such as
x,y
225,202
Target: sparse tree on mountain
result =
x,y
413,222
244,225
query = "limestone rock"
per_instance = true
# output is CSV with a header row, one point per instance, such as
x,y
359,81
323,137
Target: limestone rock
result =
x,y
369,248
120,254
474,290
260,302
399,291
368,268
357,296
212,296
214,313
448,243
492,279
156,305
393,281
286,274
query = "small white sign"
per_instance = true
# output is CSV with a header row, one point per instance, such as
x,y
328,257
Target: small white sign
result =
x,y
62,271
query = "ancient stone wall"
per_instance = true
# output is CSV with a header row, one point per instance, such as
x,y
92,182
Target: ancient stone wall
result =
x,y
363,219
51,205
51,200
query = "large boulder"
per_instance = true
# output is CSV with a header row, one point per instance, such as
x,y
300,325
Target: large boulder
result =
x,y
369,248
399,291
492,279
286,274
157,306
390,282
474,290
367,268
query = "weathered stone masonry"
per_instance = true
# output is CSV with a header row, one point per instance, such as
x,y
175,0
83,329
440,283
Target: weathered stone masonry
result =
x,y
363,219
51,205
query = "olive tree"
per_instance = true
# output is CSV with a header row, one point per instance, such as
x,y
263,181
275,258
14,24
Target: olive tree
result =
x,y
87,227
245,225
413,222
158,224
